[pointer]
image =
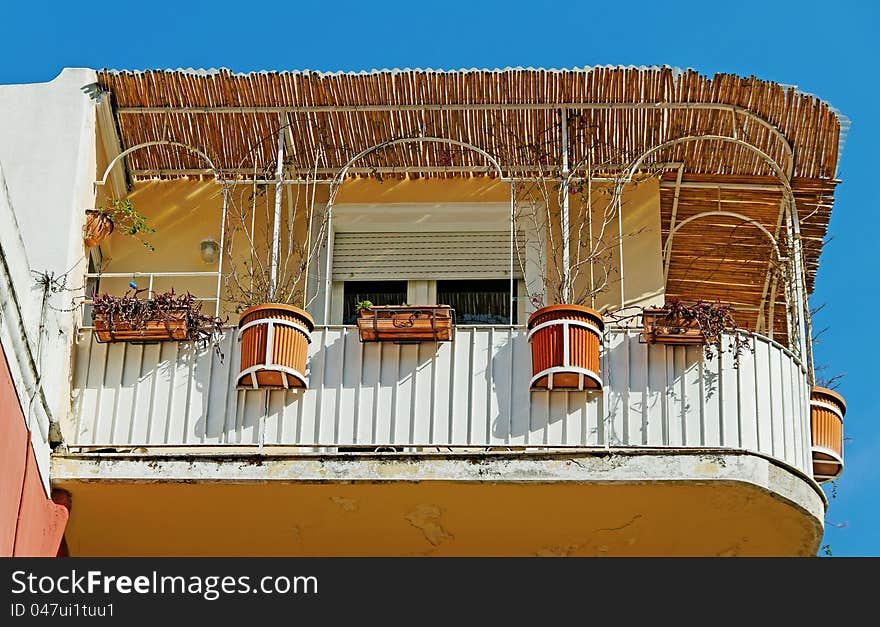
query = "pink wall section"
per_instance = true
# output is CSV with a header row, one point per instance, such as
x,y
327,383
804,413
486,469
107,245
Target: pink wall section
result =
x,y
30,523
14,448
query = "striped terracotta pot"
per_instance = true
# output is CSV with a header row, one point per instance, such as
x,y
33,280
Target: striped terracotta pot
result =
x,y
565,341
274,346
827,409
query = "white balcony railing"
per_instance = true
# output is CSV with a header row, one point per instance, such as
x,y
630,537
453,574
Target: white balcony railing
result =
x,y
472,392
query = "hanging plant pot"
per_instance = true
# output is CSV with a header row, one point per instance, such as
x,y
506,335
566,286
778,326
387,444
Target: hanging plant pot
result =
x,y
565,341
827,409
170,325
406,323
97,227
274,346
660,327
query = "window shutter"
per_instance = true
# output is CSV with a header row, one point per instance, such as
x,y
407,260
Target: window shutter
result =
x,y
423,255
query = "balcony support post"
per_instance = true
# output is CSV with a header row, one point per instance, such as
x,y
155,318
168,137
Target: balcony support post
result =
x,y
619,189
803,323
222,246
276,225
512,247
566,235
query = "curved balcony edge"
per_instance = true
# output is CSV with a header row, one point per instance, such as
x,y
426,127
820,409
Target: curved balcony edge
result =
x,y
636,501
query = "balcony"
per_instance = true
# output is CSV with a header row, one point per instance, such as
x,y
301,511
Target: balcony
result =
x,y
470,393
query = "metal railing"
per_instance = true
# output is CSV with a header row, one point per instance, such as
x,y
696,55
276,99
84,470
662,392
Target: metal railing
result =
x,y
473,392
151,280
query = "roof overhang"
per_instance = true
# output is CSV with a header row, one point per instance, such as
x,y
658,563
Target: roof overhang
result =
x,y
511,114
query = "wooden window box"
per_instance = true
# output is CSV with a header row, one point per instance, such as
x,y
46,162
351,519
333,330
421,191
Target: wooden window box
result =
x,y
170,326
659,328
406,323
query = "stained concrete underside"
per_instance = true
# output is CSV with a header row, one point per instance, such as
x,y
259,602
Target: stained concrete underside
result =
x,y
618,502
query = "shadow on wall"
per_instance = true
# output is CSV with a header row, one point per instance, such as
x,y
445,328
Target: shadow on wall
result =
x,y
648,384
339,362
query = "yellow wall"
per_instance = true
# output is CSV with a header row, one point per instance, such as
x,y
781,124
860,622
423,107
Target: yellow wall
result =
x,y
638,231
183,213
642,260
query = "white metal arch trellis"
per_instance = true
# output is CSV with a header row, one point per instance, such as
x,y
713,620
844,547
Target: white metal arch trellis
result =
x,y
804,341
784,176
165,142
730,214
667,252
339,178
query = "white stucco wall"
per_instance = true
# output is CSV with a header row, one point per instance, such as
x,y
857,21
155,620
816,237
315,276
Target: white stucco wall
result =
x,y
47,170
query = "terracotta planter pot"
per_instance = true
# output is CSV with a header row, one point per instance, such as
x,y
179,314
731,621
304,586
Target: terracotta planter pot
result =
x,y
274,346
660,329
406,323
171,326
565,341
98,226
827,409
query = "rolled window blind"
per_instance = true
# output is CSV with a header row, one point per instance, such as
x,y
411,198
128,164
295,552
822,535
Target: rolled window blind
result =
x,y
423,255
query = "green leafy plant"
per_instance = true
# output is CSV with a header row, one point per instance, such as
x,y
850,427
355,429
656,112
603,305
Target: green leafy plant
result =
x,y
364,305
127,220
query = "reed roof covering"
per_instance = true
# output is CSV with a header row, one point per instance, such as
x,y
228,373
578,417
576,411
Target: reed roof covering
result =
x,y
615,115
234,117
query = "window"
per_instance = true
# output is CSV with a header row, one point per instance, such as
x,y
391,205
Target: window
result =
x,y
377,292
482,301
424,253
476,301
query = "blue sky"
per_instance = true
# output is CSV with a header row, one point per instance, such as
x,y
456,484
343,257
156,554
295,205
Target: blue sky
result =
x,y
829,49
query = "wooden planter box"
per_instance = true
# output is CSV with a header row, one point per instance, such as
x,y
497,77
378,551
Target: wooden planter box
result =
x,y
171,326
275,341
660,329
406,323
565,342
827,409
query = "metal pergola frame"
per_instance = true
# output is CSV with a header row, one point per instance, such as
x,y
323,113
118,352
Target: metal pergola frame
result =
x,y
787,212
